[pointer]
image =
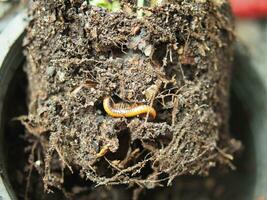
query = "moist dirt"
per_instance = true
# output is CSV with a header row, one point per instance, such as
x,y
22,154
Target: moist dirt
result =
x,y
175,58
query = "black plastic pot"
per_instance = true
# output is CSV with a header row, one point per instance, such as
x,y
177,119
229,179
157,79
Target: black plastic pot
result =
x,y
250,86
10,59
248,120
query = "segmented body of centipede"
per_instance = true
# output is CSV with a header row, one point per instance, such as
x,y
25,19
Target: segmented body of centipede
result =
x,y
123,110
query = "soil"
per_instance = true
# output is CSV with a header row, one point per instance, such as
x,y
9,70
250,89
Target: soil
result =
x,y
28,184
176,58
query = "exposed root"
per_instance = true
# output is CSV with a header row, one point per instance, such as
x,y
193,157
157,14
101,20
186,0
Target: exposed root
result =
x,y
175,59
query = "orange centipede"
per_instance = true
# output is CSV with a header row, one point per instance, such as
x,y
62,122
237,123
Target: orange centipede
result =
x,y
122,110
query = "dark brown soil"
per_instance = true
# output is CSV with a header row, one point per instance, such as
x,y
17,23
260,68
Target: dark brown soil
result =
x,y
219,185
176,58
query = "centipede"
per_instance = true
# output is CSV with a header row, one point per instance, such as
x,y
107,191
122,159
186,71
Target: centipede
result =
x,y
124,110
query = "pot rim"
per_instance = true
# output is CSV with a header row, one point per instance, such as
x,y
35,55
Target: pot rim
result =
x,y
11,58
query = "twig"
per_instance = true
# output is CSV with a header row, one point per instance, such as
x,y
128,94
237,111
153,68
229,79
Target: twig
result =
x,y
63,160
28,179
226,155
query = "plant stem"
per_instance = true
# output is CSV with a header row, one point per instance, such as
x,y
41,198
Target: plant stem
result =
x,y
140,3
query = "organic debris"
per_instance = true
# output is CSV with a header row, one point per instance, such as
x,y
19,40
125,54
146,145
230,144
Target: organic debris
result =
x,y
175,58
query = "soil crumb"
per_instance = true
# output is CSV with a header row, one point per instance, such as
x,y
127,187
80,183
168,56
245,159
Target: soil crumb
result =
x,y
176,58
